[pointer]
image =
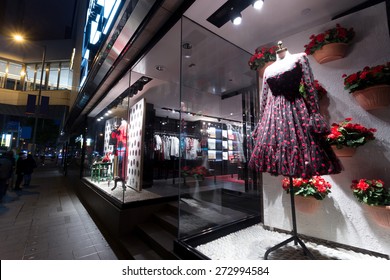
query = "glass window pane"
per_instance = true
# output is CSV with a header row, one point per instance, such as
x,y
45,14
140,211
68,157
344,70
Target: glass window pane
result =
x,y
53,75
3,65
38,81
13,76
65,76
30,75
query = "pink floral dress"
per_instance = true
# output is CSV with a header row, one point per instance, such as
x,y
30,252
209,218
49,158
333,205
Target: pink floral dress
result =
x,y
289,139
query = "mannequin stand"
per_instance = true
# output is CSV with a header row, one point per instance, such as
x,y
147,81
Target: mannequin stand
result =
x,y
295,237
119,179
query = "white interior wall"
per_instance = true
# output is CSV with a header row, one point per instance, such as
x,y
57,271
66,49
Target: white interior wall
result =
x,y
340,217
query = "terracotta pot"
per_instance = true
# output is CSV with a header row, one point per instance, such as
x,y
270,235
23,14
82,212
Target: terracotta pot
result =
x,y
330,52
261,70
380,214
373,97
344,151
306,204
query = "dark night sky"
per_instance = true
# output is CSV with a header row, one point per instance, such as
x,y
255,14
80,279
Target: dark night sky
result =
x,y
38,19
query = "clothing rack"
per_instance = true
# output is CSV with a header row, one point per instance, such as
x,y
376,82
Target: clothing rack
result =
x,y
294,236
174,134
166,133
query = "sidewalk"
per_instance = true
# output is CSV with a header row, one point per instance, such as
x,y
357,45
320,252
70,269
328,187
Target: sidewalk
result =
x,y
46,221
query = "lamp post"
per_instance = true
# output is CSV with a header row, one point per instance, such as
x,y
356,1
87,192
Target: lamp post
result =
x,y
37,109
19,38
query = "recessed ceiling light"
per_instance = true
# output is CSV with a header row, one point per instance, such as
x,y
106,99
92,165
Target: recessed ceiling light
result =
x,y
160,68
305,12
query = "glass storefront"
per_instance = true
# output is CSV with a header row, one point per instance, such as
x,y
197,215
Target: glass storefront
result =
x,y
180,129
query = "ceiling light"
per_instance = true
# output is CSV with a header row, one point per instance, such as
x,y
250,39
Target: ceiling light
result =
x,y
187,50
236,17
258,4
160,67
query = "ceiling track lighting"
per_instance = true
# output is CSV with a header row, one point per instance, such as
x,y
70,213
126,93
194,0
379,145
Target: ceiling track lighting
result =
x,y
236,17
258,4
224,13
129,92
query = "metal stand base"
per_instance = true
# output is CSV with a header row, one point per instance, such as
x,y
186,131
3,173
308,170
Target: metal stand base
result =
x,y
295,237
119,179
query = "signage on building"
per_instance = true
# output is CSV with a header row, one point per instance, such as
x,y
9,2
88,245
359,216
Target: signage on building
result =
x,y
100,16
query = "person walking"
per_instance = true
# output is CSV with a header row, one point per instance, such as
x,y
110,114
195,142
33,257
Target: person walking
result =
x,y
29,165
5,174
20,170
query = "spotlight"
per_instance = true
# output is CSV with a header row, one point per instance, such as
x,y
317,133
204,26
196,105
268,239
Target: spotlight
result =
x,y
235,17
139,86
258,4
187,50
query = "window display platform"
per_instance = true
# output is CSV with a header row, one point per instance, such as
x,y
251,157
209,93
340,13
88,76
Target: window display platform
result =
x,y
251,243
164,188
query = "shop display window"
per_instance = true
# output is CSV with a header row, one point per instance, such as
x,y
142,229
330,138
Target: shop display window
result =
x,y
178,129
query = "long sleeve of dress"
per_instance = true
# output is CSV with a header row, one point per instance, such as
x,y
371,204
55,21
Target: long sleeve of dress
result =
x,y
263,102
264,96
317,121
311,95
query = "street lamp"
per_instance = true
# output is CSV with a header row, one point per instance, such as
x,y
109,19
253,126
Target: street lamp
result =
x,y
19,38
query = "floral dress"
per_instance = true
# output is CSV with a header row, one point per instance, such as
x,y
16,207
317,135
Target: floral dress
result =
x,y
289,139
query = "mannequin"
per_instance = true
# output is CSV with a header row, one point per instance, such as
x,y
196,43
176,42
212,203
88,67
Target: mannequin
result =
x,y
289,138
120,136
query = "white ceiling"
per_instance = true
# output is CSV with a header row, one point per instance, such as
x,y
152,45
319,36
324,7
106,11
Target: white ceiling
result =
x,y
277,19
218,66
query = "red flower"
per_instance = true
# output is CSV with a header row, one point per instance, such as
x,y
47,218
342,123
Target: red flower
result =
x,y
349,134
362,185
261,57
363,75
320,37
376,75
315,186
352,78
371,191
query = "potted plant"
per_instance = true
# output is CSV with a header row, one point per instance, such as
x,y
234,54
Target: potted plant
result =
x,y
199,172
345,137
185,171
372,193
307,192
370,86
262,58
330,45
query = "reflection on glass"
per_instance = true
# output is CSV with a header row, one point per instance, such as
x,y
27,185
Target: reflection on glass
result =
x,y
215,191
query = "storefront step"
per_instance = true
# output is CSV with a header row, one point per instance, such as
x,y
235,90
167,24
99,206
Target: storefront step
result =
x,y
138,249
168,220
158,238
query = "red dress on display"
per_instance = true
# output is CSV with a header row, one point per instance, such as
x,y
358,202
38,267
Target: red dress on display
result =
x,y
289,139
119,137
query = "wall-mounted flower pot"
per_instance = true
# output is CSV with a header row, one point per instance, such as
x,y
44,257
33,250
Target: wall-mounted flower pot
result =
x,y
261,70
344,151
306,204
373,97
380,214
330,52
